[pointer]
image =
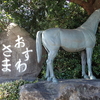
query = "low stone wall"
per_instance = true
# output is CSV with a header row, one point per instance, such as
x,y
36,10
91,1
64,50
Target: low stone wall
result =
x,y
74,89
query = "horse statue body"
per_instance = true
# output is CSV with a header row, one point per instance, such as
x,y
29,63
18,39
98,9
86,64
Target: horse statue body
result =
x,y
72,40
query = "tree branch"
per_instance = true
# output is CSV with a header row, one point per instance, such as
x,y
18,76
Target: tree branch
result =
x,y
80,2
86,5
96,4
91,1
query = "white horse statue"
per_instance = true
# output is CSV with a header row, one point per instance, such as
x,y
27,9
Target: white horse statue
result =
x,y
72,40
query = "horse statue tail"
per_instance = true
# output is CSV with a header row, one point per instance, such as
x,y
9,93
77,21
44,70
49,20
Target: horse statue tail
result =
x,y
39,45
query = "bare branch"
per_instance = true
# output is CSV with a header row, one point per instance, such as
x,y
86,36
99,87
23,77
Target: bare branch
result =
x,y
96,4
91,1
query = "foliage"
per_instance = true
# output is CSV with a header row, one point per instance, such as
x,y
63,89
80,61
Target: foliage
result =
x,y
5,19
10,90
35,15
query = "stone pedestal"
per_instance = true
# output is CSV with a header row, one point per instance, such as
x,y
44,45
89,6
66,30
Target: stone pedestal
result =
x,y
74,89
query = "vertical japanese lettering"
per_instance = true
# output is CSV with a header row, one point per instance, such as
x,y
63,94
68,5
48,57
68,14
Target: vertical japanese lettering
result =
x,y
21,67
6,62
20,42
27,54
6,50
6,65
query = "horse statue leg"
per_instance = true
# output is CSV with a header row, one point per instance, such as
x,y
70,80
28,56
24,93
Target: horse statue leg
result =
x,y
83,61
49,71
89,52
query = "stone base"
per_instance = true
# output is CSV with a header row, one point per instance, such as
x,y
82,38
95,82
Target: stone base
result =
x,y
74,89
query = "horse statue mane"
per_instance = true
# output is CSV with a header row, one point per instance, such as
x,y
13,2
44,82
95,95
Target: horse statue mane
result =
x,y
72,40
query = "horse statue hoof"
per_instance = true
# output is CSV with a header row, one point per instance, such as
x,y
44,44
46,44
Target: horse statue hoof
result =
x,y
86,77
54,80
48,79
92,77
